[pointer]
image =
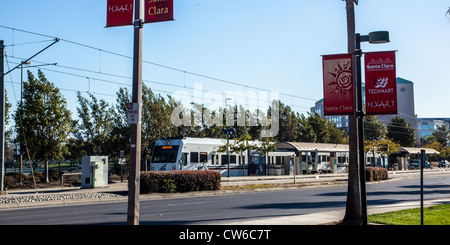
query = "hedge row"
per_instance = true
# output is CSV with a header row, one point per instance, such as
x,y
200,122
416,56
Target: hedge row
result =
x,y
179,181
375,174
12,180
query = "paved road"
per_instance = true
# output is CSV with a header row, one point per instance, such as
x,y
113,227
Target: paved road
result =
x,y
230,208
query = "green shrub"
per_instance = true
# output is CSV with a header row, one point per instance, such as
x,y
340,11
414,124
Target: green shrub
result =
x,y
38,176
183,181
376,174
169,186
53,174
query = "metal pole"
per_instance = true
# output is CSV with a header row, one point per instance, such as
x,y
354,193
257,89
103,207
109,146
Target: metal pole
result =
x,y
353,201
2,113
422,165
228,152
360,118
135,152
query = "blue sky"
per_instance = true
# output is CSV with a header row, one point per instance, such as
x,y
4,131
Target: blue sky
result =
x,y
272,45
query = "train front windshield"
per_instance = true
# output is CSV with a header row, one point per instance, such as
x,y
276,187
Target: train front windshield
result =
x,y
165,154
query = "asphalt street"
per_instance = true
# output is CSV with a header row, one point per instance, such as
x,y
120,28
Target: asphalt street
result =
x,y
230,208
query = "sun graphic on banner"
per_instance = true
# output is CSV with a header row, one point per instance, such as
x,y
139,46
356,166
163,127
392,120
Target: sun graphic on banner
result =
x,y
342,78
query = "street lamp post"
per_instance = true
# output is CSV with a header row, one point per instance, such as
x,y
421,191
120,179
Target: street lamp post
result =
x,y
377,37
228,131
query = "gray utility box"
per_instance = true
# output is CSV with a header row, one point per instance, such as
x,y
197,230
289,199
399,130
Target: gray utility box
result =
x,y
94,171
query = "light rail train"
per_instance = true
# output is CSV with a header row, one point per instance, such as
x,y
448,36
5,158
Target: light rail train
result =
x,y
203,154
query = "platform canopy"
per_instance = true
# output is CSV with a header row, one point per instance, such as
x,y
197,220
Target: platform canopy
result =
x,y
311,147
414,150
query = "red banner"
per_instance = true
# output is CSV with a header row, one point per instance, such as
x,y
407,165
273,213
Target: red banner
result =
x,y
158,10
381,85
338,84
119,13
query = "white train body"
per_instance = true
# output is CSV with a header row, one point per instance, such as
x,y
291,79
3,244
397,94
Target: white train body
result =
x,y
203,154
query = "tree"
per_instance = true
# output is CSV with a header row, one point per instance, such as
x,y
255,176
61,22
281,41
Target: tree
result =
x,y
374,128
43,122
320,127
120,132
384,147
442,134
266,146
305,131
443,149
316,129
94,129
156,122
288,124
241,145
401,132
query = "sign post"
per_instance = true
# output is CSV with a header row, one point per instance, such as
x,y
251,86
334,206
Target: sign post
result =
x,y
120,13
339,78
422,165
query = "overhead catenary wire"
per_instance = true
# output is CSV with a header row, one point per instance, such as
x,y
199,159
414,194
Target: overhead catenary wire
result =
x,y
160,65
99,50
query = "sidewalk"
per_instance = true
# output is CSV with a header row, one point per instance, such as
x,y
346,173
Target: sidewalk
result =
x,y
118,192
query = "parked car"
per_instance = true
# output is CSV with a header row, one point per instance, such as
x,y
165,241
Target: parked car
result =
x,y
444,164
415,164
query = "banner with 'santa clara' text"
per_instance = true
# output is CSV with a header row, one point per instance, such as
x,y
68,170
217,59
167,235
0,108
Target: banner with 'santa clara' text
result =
x,y
338,84
158,10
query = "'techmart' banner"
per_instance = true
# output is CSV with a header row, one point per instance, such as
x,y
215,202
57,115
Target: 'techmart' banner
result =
x,y
381,85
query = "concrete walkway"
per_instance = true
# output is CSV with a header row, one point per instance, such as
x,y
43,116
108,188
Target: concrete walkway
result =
x,y
119,191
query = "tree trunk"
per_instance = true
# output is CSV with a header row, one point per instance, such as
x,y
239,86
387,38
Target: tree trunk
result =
x,y
353,205
46,170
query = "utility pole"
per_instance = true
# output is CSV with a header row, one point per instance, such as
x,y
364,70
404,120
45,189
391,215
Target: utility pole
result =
x,y
353,204
135,153
2,114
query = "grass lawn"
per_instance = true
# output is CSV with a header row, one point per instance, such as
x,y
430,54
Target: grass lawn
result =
x,y
434,215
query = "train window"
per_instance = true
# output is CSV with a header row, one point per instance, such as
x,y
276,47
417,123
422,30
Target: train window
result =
x,y
165,155
184,158
203,157
194,157
232,159
224,159
241,159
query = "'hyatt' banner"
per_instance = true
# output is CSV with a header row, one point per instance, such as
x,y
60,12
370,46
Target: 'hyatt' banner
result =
x,y
381,85
119,13
338,84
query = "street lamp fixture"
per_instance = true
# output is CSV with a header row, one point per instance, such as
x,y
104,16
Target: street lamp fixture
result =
x,y
376,37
